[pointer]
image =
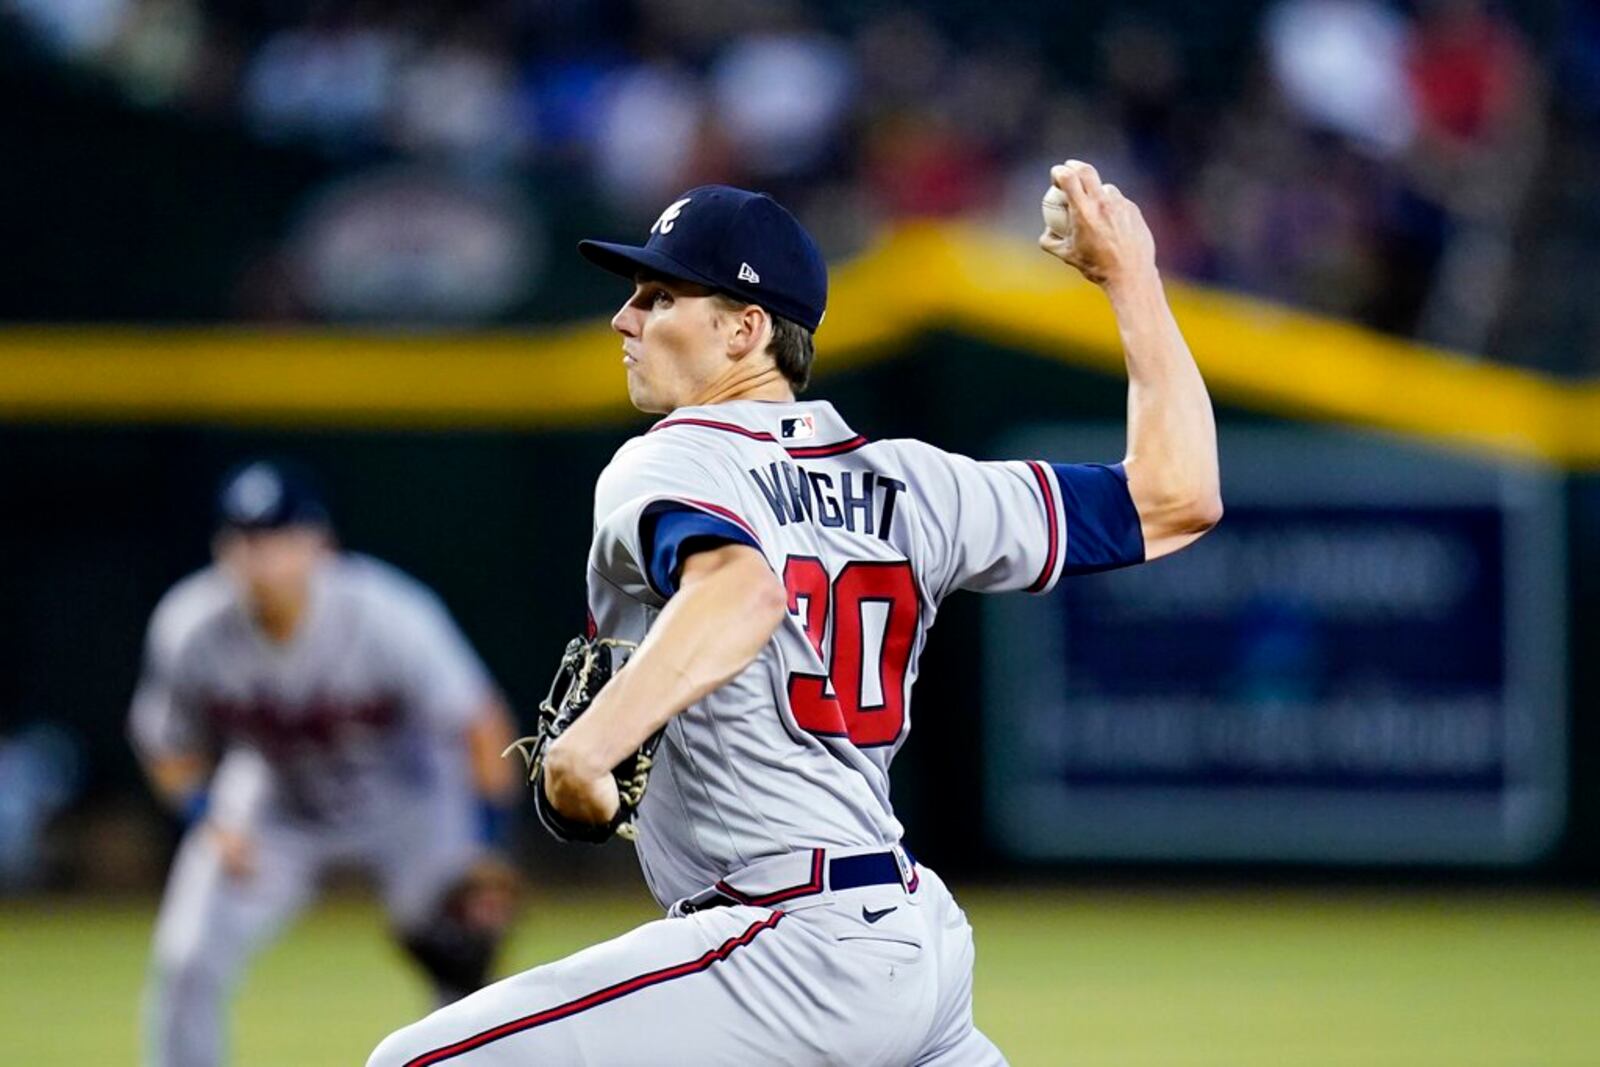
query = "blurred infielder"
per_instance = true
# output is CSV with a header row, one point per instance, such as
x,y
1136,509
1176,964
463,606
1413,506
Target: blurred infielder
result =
x,y
348,722
780,572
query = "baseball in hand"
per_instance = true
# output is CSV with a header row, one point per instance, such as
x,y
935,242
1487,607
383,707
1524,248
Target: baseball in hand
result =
x,y
1057,212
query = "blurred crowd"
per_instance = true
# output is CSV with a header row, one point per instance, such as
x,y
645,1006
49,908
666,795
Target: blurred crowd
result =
x,y
1363,158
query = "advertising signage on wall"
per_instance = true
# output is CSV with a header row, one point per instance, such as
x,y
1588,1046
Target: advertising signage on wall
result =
x,y
1364,662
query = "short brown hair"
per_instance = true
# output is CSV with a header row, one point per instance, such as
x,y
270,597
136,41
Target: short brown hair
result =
x,y
792,347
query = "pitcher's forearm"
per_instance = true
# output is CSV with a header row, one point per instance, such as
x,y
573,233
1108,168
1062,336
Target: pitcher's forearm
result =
x,y
1172,430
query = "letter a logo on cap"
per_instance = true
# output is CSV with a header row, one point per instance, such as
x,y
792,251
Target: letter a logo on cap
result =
x,y
747,273
668,217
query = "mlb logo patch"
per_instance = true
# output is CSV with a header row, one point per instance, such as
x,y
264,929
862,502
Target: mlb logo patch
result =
x,y
798,428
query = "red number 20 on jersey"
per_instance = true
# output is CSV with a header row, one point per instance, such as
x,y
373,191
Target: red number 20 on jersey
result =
x,y
874,610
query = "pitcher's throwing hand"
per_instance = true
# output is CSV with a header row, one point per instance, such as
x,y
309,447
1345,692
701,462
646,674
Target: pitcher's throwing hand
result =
x,y
1107,239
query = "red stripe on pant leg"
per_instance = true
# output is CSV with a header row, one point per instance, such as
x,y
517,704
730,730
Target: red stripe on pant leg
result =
x,y
597,998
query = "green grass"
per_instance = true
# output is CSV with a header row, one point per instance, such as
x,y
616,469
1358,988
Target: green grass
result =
x,y
1098,979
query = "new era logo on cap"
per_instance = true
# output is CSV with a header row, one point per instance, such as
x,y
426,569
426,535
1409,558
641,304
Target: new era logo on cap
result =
x,y
747,273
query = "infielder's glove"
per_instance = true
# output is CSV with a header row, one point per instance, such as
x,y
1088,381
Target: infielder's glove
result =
x,y
486,895
586,666
457,944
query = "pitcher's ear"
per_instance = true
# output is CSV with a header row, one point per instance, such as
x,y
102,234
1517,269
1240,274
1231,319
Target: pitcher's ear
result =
x,y
750,328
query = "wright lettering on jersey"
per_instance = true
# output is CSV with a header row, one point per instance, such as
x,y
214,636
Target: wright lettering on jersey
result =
x,y
797,495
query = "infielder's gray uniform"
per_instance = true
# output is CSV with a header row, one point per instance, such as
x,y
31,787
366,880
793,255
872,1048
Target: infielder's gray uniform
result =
x,y
342,746
768,814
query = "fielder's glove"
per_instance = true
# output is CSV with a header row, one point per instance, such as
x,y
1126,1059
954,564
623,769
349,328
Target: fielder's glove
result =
x,y
458,943
486,896
586,666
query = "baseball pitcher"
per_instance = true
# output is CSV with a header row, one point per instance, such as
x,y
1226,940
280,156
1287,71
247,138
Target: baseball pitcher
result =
x,y
762,581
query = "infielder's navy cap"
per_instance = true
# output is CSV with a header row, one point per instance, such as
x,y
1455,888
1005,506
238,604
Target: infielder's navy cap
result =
x,y
738,242
263,495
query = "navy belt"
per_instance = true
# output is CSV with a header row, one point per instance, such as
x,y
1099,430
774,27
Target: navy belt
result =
x,y
844,872
872,868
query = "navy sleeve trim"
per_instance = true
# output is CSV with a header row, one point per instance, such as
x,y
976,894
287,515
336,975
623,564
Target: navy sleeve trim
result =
x,y
1103,530
670,532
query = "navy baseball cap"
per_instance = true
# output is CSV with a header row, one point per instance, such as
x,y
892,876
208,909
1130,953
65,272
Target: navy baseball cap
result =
x,y
738,242
263,495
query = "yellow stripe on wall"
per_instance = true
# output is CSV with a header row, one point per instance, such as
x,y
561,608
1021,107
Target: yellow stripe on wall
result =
x,y
1279,360
924,275
311,377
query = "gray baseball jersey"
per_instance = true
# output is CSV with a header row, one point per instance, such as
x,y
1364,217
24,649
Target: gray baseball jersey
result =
x,y
769,795
341,747
346,716
869,538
